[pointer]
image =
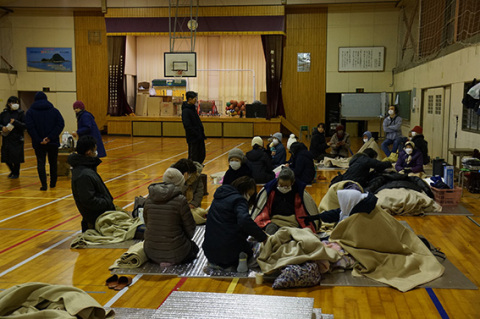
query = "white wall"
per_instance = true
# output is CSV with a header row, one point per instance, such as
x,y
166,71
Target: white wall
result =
x,y
451,70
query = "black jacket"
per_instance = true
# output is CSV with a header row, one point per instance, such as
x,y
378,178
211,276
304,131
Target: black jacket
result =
x,y
422,146
302,163
232,174
192,124
228,226
318,144
13,143
396,180
91,195
261,165
359,169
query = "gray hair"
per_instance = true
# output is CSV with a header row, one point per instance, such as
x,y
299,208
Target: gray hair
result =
x,y
287,174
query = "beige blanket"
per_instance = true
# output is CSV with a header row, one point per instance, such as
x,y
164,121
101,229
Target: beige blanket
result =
x,y
110,227
330,200
371,143
337,161
386,251
39,300
401,201
291,246
133,258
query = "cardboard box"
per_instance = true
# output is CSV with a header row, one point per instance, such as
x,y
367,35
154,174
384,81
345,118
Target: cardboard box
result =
x,y
143,87
141,104
153,105
167,109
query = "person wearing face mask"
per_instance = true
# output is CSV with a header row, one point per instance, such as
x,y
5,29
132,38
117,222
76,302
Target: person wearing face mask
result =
x,y
229,224
260,162
279,154
420,143
340,142
410,160
237,167
283,202
91,195
369,142
392,126
318,144
169,224
12,126
86,126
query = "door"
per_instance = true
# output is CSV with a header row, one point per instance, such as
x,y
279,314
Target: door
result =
x,y
433,118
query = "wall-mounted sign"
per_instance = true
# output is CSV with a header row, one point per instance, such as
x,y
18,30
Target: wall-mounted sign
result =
x,y
303,62
49,59
361,59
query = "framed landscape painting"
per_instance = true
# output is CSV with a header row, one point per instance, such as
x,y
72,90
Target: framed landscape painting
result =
x,y
49,59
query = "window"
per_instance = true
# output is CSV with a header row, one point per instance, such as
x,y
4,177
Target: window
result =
x,y
470,118
430,104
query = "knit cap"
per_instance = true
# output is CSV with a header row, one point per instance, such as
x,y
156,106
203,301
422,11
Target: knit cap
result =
x,y
173,176
410,143
257,140
417,129
368,134
278,136
236,152
79,105
292,139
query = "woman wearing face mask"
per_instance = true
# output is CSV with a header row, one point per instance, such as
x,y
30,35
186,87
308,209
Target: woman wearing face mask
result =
x,y
340,142
369,142
229,224
279,154
284,202
12,125
410,160
237,167
86,126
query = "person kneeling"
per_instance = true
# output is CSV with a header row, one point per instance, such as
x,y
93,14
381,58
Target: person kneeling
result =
x,y
91,195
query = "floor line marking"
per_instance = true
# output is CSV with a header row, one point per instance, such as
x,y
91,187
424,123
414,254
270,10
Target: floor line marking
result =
x,y
233,284
177,286
122,292
43,230
437,303
222,154
474,221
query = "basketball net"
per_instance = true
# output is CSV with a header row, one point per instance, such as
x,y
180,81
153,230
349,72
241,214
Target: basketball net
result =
x,y
178,76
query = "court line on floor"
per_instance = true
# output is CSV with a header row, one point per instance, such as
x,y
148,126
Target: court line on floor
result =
x,y
233,284
122,292
474,221
13,189
441,311
22,169
116,148
222,154
177,286
46,230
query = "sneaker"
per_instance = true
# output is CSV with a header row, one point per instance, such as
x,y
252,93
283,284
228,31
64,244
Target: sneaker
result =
x,y
242,262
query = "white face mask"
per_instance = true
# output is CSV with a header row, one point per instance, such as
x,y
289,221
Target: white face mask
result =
x,y
365,140
408,151
414,133
275,142
235,165
15,106
284,189
391,112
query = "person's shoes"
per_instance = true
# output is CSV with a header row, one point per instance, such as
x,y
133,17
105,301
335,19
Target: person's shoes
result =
x,y
10,175
53,185
242,262
43,188
13,176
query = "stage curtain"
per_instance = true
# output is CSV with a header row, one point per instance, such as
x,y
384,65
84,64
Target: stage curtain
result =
x,y
273,50
213,53
117,100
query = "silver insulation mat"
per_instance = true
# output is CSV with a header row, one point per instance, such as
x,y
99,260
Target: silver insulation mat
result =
x,y
123,245
206,305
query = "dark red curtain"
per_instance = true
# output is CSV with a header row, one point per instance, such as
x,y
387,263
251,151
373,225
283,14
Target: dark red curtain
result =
x,y
273,51
117,100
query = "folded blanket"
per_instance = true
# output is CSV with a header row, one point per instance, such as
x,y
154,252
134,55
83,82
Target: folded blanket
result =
x,y
133,258
293,246
110,227
39,300
337,161
402,201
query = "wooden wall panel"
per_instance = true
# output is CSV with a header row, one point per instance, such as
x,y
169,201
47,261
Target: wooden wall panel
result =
x,y
304,92
147,128
92,64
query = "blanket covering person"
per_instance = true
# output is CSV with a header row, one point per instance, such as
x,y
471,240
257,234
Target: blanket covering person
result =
x,y
406,202
370,143
330,200
134,257
35,300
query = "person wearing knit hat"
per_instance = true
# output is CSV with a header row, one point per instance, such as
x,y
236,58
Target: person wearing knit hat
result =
x,y
417,130
237,166
370,143
292,139
318,144
340,142
173,176
410,160
257,140
86,125
45,124
420,143
260,162
277,150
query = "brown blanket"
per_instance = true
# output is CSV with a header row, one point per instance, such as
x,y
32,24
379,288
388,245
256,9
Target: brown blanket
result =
x,y
402,201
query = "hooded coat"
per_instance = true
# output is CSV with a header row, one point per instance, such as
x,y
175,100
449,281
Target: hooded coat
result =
x,y
228,226
415,164
13,143
194,131
91,195
359,168
261,165
302,163
231,174
280,156
422,146
318,145
169,224
44,120
86,126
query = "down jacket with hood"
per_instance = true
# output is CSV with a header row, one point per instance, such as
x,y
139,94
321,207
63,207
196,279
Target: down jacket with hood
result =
x,y
169,224
301,163
86,125
261,165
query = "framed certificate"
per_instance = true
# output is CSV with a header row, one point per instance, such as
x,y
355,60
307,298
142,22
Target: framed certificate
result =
x,y
361,59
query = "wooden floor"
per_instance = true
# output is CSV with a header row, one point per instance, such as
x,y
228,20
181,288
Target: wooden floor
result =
x,y
36,228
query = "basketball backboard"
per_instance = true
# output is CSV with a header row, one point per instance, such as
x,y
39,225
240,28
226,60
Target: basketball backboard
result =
x,y
180,64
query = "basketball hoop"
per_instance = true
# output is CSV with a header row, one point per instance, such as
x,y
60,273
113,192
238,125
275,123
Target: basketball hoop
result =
x,y
178,76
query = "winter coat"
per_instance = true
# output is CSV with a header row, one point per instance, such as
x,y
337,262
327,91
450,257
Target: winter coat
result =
x,y
86,126
343,150
422,146
228,226
193,188
304,204
91,195
43,120
392,127
318,145
396,180
169,224
415,165
261,165
280,156
359,168
232,174
192,124
302,163
12,144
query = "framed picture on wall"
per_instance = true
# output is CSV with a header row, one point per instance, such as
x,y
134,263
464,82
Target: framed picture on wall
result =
x,y
361,59
49,59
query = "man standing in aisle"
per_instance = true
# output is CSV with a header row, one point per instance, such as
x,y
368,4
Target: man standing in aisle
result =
x,y
193,129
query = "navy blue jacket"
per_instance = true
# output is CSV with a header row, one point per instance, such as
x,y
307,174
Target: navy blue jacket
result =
x,y
44,120
302,163
232,174
318,145
192,124
280,156
86,126
261,165
228,226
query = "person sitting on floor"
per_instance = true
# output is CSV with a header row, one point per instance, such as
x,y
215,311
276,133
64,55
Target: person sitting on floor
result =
x,y
301,162
229,224
359,168
420,143
238,166
260,162
91,195
410,160
282,202
318,144
169,225
369,142
279,154
340,142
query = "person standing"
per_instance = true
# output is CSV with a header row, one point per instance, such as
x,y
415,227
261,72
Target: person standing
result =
x,y
12,125
392,126
86,126
44,124
194,131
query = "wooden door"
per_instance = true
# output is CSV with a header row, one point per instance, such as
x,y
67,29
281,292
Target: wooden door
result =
x,y
433,118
